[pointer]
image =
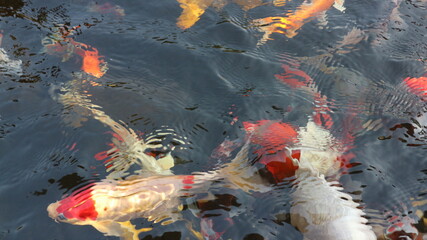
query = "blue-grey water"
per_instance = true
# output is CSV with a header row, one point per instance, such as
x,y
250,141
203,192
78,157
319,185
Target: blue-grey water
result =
x,y
196,82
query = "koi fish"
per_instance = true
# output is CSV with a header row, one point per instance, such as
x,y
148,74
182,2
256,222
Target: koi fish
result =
x,y
60,44
319,209
295,78
292,22
127,149
107,8
153,193
93,64
109,205
8,65
192,10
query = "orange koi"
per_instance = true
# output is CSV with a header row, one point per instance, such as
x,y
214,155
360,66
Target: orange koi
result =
x,y
93,64
292,22
63,45
192,10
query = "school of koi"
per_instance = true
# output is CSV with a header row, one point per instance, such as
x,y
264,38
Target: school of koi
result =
x,y
311,155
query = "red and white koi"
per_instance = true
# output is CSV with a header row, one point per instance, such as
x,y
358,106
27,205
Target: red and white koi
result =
x,y
109,205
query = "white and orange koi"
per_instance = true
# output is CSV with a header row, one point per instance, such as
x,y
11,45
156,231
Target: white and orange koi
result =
x,y
292,22
192,10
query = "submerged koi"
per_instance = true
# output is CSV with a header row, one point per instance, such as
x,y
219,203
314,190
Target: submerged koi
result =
x,y
93,63
292,22
320,210
8,65
298,79
127,148
107,8
192,10
62,45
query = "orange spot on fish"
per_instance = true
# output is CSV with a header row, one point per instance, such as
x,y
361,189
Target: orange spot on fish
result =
x,y
101,155
73,146
417,86
189,179
294,77
92,62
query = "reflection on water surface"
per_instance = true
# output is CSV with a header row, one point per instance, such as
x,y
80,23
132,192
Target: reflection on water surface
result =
x,y
213,119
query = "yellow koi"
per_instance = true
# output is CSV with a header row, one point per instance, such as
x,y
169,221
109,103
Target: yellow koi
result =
x,y
292,22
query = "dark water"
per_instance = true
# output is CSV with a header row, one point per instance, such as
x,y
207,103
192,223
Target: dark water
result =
x,y
196,81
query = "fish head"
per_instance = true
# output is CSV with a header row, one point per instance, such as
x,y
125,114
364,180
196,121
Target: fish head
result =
x,y
274,139
78,208
271,135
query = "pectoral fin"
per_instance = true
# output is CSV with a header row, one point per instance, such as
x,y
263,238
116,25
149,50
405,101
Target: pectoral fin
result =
x,y
124,230
339,5
166,162
191,12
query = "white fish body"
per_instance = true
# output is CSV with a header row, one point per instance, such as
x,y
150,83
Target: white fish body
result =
x,y
320,210
8,65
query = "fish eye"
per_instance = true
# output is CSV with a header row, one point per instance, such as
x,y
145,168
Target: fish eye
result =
x,y
61,217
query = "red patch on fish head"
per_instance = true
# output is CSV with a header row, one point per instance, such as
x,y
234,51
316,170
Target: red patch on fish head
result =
x,y
92,62
273,136
78,207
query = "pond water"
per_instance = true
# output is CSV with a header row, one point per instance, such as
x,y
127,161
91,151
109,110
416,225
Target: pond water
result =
x,y
154,68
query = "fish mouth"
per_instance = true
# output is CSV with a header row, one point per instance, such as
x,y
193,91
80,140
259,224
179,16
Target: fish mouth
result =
x,y
53,213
